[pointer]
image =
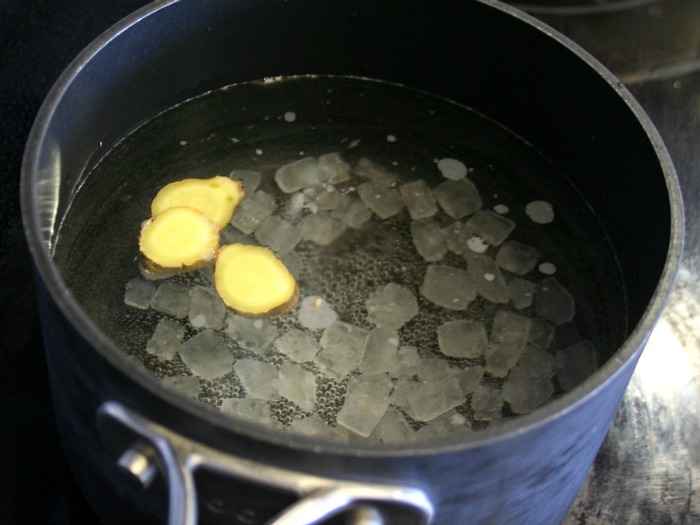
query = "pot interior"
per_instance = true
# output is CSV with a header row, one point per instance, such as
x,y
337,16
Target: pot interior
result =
x,y
533,119
560,303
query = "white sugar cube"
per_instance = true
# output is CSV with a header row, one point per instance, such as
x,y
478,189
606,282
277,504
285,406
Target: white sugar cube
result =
x,y
138,293
449,287
458,198
462,338
491,227
419,199
278,234
297,345
259,379
207,355
303,173
172,298
251,334
384,201
253,210
517,257
428,240
166,339
321,228
207,310
380,351
342,348
366,401
429,400
391,306
553,302
298,385
487,278
368,169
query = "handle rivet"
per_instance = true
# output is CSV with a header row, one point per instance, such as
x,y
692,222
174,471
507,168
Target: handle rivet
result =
x,y
364,515
140,464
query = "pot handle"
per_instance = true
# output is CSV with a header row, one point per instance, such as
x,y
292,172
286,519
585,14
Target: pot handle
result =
x,y
146,450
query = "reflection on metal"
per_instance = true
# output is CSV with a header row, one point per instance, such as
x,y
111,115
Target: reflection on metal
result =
x,y
666,368
638,40
578,7
138,461
47,197
646,469
179,458
670,71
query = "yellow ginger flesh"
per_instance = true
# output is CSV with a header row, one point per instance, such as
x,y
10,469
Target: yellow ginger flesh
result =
x,y
253,281
179,238
216,197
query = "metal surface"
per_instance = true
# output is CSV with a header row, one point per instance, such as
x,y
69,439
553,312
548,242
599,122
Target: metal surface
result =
x,y
319,499
138,460
640,40
646,471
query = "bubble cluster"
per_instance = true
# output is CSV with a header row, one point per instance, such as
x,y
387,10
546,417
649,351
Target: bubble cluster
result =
x,y
330,396
216,390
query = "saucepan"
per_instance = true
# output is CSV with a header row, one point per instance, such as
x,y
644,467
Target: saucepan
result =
x,y
182,86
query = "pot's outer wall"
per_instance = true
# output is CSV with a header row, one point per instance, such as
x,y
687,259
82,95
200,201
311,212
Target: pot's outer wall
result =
x,y
528,478
467,51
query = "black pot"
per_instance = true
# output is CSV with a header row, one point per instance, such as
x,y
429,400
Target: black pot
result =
x,y
190,461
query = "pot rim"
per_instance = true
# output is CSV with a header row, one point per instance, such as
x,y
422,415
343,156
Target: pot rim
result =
x,y
626,354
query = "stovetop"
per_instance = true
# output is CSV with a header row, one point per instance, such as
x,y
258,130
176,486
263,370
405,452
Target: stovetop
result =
x,y
646,470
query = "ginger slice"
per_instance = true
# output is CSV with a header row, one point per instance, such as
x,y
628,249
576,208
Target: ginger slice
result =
x,y
178,239
252,281
217,197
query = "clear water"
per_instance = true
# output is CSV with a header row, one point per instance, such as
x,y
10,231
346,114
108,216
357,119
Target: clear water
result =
x,y
261,126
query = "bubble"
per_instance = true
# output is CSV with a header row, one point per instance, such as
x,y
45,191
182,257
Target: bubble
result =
x,y
547,268
452,169
540,212
477,244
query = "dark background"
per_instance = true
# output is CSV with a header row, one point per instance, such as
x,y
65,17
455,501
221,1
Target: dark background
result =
x,y
38,38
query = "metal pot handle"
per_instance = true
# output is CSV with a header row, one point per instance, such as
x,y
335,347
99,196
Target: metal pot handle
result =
x,y
146,449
